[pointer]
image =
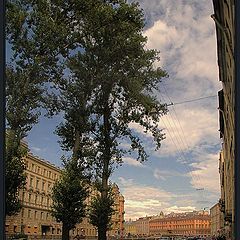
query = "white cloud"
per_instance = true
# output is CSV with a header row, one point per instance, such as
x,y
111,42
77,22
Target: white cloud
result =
x,y
37,149
141,200
177,209
187,128
184,33
145,200
132,162
164,174
207,172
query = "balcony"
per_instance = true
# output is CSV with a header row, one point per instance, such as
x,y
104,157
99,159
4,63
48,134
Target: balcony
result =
x,y
222,205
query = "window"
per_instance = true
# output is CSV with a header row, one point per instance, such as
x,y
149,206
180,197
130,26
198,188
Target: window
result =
x,y
47,216
32,167
42,200
43,186
36,199
29,198
39,170
37,183
44,172
41,215
49,187
29,213
35,215
31,181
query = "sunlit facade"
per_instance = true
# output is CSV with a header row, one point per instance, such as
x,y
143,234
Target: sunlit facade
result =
x,y
35,217
189,224
217,222
224,20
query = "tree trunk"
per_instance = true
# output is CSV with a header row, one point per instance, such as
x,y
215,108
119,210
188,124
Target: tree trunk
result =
x,y
76,145
102,234
65,232
107,157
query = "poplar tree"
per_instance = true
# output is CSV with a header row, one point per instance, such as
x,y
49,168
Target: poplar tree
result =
x,y
105,79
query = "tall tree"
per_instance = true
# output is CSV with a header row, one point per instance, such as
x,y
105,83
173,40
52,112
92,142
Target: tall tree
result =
x,y
111,79
126,80
24,88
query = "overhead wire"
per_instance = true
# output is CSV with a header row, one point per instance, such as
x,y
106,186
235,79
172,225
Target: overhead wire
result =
x,y
178,147
191,100
184,139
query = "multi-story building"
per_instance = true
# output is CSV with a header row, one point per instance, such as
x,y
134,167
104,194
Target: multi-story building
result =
x,y
188,224
130,228
142,226
118,217
225,29
35,217
216,220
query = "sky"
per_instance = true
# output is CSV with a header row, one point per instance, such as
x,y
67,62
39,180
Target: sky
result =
x,y
183,174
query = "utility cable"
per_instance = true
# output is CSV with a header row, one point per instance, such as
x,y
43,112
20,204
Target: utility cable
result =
x,y
192,100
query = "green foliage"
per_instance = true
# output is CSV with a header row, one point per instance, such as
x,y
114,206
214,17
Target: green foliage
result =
x,y
104,78
69,195
23,97
24,88
101,211
15,177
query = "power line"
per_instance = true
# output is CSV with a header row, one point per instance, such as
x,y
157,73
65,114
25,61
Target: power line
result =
x,y
183,140
192,100
179,149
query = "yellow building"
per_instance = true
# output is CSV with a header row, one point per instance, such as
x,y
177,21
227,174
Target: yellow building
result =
x,y
224,20
217,223
35,217
130,228
142,226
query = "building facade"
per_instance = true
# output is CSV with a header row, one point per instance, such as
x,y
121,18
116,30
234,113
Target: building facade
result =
x,y
142,226
130,228
225,29
35,217
188,224
217,223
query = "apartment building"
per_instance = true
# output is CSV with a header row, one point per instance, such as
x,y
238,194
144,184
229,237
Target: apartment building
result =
x,y
225,29
130,228
217,222
187,224
35,217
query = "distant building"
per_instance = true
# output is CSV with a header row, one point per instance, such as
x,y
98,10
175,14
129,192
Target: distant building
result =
x,y
35,217
130,228
142,226
225,29
183,224
217,223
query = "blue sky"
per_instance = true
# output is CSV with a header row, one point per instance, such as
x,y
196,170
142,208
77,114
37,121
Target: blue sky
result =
x,y
184,33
